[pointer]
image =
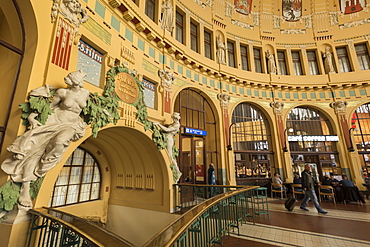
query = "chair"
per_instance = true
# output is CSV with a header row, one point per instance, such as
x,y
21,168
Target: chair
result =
x,y
323,193
281,190
297,189
351,194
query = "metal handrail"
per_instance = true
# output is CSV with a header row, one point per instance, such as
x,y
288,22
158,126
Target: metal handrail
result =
x,y
177,229
56,228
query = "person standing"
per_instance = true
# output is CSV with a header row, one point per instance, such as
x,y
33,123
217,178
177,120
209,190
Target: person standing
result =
x,y
211,175
211,180
308,186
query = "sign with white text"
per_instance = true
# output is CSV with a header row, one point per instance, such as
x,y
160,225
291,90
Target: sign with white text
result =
x,y
195,132
301,138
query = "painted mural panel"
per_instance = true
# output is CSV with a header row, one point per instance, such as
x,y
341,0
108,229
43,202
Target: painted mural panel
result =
x,y
243,6
351,6
292,10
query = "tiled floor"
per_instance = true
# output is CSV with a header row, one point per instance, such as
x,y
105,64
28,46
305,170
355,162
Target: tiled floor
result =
x,y
344,225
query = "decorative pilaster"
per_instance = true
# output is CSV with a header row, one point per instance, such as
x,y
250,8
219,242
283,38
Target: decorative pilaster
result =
x,y
340,109
167,79
224,102
278,110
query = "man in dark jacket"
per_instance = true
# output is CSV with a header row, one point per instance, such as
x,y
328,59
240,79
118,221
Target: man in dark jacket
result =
x,y
308,185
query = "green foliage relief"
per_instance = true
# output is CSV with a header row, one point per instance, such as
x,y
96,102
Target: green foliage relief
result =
x,y
9,194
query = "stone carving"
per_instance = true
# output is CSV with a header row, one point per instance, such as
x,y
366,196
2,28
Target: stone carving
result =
x,y
270,62
339,106
221,50
223,98
167,78
170,131
328,60
71,10
41,148
277,106
242,24
167,22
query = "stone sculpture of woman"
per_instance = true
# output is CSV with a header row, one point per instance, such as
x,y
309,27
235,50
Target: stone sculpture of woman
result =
x,y
167,22
221,50
42,147
171,130
270,62
328,60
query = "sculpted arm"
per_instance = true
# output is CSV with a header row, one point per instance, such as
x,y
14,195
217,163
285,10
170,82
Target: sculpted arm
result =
x,y
169,128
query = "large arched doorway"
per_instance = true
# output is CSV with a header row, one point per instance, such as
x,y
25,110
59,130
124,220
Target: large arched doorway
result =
x,y
198,136
361,136
312,141
11,54
251,141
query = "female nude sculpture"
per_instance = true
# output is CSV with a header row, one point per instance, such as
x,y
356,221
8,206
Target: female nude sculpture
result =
x,y
170,131
42,147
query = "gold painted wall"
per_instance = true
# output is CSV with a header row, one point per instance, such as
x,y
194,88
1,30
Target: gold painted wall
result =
x,y
120,30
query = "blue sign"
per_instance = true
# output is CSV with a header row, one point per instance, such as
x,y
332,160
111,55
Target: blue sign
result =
x,y
195,132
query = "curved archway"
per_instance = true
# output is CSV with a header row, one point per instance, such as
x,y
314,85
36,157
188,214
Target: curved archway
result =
x,y
312,141
198,136
134,172
252,143
18,42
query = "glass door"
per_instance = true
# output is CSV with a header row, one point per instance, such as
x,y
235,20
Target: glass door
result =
x,y
192,163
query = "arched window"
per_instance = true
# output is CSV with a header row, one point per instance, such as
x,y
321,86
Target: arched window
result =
x,y
250,139
308,142
309,122
78,181
361,135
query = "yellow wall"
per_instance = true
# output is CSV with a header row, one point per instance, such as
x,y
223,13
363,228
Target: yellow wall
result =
x,y
143,44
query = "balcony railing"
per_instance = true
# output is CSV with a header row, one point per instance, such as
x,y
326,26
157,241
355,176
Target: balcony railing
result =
x,y
212,212
54,228
207,222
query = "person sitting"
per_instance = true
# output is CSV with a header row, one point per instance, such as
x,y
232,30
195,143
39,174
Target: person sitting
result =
x,y
326,181
349,190
276,180
297,179
334,182
345,182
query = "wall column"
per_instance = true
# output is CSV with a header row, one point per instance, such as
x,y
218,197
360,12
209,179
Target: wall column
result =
x,y
352,157
284,145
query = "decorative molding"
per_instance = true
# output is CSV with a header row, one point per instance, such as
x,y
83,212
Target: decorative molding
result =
x,y
242,24
339,106
167,79
278,107
224,99
70,10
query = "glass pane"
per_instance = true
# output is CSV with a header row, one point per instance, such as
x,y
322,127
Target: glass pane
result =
x,y
96,174
63,176
88,173
95,191
199,152
75,175
85,192
72,193
59,195
78,156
